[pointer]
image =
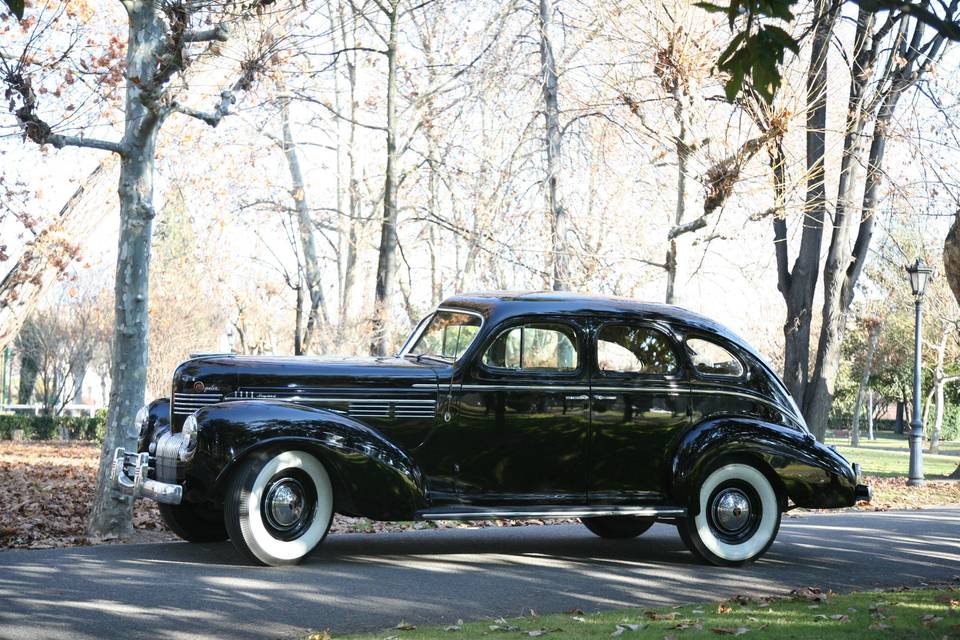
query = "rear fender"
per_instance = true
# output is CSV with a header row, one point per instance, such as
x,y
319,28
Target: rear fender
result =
x,y
371,476
802,469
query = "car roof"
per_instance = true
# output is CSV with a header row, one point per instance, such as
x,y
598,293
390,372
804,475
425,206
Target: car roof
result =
x,y
501,305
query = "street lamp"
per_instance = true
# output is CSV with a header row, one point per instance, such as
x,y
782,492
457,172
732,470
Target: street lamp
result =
x,y
919,273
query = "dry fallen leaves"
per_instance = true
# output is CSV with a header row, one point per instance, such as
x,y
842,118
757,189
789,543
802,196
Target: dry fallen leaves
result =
x,y
812,594
653,615
730,631
626,627
47,490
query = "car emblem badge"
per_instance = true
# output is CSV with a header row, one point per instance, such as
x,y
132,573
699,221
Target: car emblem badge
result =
x,y
198,386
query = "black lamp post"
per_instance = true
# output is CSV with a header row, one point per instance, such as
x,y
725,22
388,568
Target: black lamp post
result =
x,y
919,273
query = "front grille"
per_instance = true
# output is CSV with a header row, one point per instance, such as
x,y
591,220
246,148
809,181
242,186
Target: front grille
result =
x,y
186,403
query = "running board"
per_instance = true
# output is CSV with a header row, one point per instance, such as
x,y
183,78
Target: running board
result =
x,y
493,513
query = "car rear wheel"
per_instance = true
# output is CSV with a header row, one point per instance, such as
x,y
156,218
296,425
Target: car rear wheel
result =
x,y
618,527
193,522
738,518
279,507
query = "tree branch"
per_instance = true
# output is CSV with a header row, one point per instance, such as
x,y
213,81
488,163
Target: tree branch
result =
x,y
212,118
688,227
60,141
219,32
336,113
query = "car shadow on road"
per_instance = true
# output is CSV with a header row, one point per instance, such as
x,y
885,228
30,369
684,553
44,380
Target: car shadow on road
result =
x,y
372,581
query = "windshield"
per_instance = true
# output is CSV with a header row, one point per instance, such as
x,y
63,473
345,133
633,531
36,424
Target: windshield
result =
x,y
446,335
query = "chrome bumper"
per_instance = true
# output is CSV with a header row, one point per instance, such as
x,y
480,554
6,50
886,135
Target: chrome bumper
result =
x,y
138,484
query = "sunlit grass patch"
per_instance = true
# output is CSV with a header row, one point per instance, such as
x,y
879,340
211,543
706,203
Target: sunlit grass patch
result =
x,y
922,613
896,463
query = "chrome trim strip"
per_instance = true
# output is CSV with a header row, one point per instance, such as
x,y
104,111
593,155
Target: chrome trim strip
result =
x,y
672,390
297,398
555,512
749,396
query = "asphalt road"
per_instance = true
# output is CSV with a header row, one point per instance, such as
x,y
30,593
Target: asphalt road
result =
x,y
367,582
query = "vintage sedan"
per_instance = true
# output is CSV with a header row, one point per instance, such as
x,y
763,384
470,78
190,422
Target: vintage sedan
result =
x,y
499,405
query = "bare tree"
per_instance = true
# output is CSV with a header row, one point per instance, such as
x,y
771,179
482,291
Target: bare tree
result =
x,y
48,255
872,325
59,339
163,39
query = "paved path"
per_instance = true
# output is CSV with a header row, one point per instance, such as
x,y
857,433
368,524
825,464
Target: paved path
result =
x,y
363,581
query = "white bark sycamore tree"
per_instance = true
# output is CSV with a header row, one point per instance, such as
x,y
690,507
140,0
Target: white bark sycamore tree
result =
x,y
891,53
163,38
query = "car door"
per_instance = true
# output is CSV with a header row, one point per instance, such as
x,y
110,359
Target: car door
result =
x,y
639,400
522,417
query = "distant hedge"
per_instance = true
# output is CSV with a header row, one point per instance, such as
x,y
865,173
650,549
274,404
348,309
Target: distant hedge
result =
x,y
49,427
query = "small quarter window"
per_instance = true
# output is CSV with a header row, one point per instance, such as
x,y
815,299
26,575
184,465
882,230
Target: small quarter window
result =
x,y
626,349
534,347
711,359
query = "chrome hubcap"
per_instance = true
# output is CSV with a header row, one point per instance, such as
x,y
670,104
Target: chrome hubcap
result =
x,y
731,510
285,502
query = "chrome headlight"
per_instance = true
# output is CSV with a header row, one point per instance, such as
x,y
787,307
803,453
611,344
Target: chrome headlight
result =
x,y
143,417
188,445
190,426
142,422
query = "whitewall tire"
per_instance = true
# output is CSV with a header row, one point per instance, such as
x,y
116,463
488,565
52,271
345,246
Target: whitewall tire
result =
x,y
279,506
738,519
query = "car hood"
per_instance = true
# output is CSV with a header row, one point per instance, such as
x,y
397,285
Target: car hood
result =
x,y
264,375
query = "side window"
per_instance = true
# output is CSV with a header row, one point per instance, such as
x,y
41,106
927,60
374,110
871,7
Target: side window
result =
x,y
711,359
626,349
534,347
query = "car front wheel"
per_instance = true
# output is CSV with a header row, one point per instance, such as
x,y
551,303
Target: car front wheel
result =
x,y
738,519
279,506
618,527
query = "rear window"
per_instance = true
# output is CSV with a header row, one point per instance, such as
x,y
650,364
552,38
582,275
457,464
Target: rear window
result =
x,y
710,359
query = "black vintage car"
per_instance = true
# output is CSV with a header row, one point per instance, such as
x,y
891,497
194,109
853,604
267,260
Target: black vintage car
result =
x,y
499,405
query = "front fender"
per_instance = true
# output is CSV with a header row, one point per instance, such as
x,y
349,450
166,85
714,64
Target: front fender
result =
x,y
371,476
158,423
809,473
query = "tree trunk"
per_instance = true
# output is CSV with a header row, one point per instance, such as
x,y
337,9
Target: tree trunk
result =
x,y
874,335
683,155
870,434
387,261
43,261
951,257
559,231
351,224
939,381
111,512
841,271
316,317
28,378
798,285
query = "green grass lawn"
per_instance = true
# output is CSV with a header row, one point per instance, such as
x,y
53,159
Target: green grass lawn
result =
x,y
889,440
895,463
922,613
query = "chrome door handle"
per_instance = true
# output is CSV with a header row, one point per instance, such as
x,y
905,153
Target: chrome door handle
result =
x,y
583,397
599,397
